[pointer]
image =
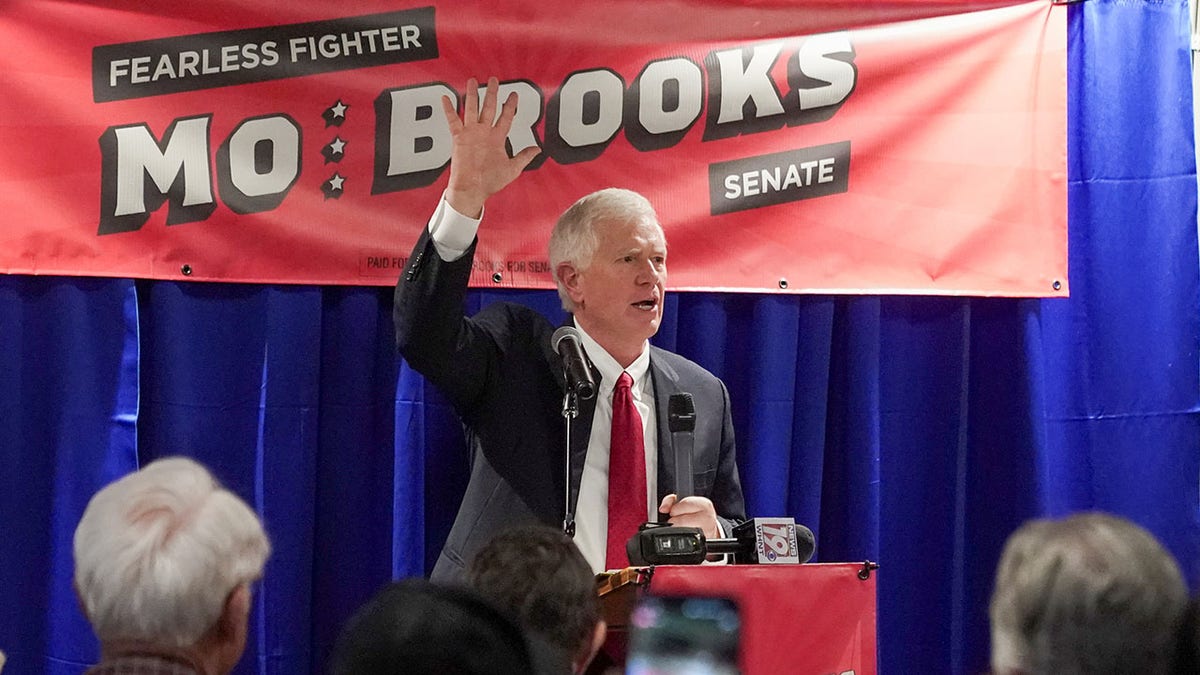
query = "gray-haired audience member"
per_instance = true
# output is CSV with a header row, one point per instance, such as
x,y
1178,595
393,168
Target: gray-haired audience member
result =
x,y
539,575
419,628
1092,593
164,559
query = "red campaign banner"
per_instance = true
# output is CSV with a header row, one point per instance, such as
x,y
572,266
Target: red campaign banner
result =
x,y
834,147
812,619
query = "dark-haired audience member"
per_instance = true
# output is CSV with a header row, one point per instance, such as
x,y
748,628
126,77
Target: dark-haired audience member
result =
x,y
164,559
539,574
1088,594
417,627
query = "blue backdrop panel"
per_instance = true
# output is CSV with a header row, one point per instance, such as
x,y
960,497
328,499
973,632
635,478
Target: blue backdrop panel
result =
x,y
230,376
1119,368
918,432
68,413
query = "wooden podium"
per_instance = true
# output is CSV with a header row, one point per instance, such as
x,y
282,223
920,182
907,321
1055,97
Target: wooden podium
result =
x,y
813,619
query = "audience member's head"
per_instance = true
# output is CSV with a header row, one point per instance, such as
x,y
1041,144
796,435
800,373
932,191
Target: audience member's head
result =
x,y
164,557
417,627
1092,593
539,574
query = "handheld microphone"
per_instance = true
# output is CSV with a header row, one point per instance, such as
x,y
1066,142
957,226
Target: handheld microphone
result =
x,y
770,541
565,342
681,420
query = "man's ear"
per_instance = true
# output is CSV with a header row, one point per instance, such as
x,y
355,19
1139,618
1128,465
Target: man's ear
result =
x,y
588,653
226,640
570,277
236,612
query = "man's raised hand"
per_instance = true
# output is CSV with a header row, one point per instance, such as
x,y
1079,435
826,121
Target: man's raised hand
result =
x,y
479,164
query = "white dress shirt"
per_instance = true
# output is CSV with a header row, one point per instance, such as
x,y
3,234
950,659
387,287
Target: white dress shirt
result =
x,y
591,519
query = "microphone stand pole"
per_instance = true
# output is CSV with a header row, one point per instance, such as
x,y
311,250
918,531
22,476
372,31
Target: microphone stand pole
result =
x,y
570,410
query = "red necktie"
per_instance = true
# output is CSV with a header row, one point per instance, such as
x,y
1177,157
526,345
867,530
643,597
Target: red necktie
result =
x,y
626,474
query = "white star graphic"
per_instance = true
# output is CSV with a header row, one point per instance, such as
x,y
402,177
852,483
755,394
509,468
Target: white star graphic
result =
x,y
339,109
335,183
337,145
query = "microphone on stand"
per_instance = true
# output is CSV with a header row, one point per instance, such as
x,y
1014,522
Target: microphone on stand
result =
x,y
580,385
566,343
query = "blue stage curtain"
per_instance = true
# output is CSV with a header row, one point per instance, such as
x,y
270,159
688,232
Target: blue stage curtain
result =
x,y
916,432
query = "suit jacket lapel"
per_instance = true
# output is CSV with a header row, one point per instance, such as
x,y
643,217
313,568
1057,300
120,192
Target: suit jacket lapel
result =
x,y
581,432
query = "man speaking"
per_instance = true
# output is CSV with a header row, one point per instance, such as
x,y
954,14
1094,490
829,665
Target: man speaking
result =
x,y
506,380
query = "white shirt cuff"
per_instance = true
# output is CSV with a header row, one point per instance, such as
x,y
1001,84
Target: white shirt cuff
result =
x,y
451,231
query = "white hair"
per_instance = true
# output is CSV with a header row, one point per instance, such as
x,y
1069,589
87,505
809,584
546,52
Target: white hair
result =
x,y
575,236
1092,593
158,552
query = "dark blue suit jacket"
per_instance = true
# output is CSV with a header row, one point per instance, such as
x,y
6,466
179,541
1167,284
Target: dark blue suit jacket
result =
x,y
505,381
